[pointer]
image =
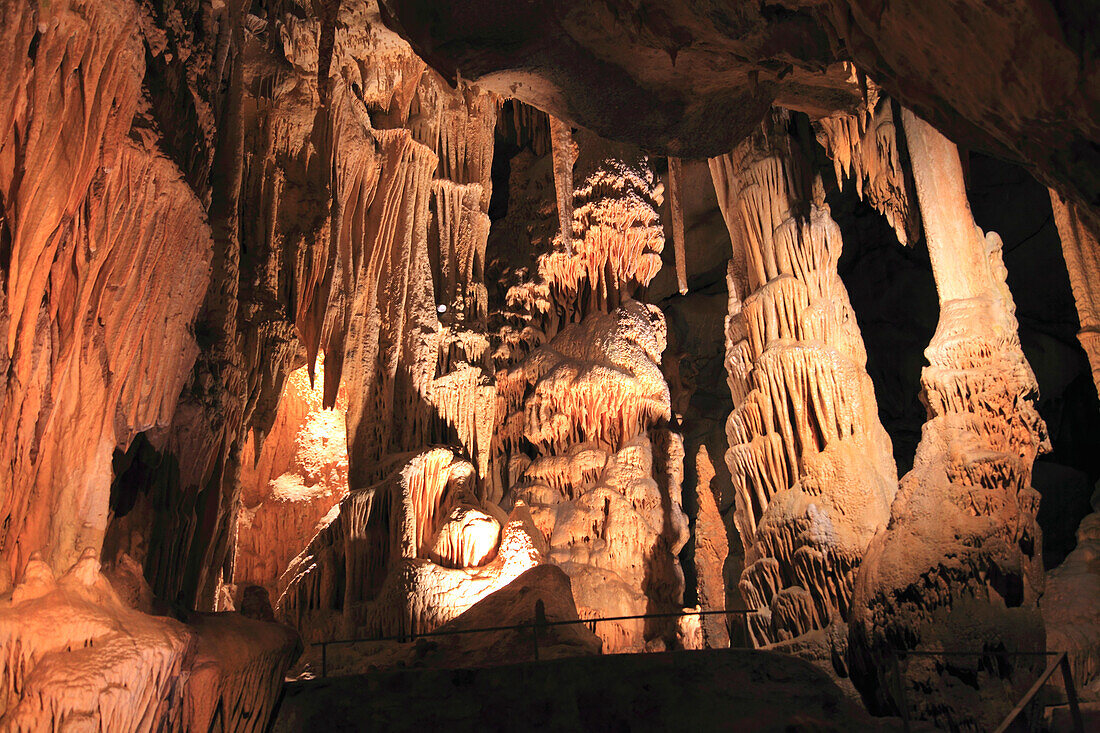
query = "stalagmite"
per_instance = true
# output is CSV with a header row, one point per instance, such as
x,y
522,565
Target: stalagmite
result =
x,y
711,550
811,464
960,565
596,492
72,654
676,205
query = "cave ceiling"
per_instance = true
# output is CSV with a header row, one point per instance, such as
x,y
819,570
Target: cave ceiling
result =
x,y
1015,78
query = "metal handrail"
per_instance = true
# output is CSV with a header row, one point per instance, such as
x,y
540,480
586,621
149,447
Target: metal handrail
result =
x,y
1060,661
538,623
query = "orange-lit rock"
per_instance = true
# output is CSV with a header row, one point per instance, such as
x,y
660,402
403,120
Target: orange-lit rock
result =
x,y
300,475
811,464
596,491
73,654
960,564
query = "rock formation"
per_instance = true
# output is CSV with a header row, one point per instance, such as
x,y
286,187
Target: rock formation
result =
x,y
365,307
959,567
74,655
408,554
811,464
300,474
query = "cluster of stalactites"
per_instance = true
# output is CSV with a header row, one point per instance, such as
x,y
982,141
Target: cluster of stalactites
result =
x,y
457,237
597,381
616,237
865,147
804,406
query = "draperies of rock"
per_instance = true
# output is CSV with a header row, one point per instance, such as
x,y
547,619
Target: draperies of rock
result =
x,y
108,257
811,464
1082,254
960,565
407,554
300,474
604,488
73,654
865,148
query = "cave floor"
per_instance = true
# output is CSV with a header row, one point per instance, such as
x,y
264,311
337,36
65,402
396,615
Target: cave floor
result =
x,y
715,689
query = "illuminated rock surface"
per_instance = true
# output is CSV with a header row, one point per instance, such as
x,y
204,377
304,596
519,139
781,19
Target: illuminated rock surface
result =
x,y
73,654
386,316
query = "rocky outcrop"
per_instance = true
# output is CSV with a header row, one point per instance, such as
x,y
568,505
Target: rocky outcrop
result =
x,y
959,566
73,654
811,464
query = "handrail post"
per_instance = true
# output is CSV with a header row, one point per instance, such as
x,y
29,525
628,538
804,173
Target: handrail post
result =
x,y
324,659
1071,695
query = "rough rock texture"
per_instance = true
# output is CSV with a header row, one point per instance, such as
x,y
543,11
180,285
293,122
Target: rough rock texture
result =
x,y
408,554
300,474
960,564
106,257
1014,77
811,464
72,654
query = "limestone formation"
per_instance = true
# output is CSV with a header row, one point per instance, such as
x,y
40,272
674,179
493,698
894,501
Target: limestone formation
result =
x,y
959,566
74,655
407,554
864,147
300,474
359,314
811,464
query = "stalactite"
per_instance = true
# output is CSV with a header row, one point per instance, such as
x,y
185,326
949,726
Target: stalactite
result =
x,y
865,148
565,155
676,205
806,446
961,558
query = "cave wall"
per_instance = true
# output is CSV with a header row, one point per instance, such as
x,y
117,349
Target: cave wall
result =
x,y
199,200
